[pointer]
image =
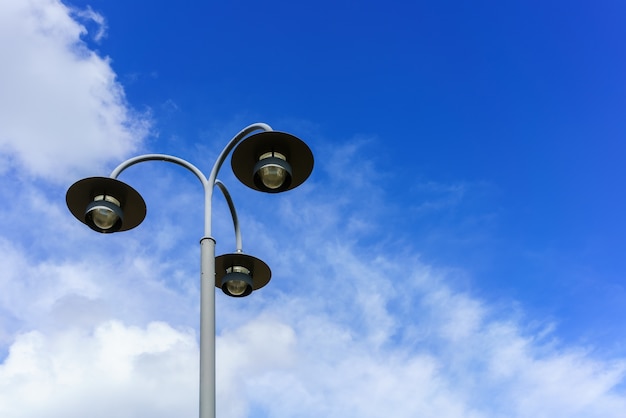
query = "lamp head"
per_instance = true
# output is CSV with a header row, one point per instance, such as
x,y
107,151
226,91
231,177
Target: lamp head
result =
x,y
272,161
105,204
238,274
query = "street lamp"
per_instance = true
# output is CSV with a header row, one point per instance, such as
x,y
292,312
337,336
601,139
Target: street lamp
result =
x,y
267,161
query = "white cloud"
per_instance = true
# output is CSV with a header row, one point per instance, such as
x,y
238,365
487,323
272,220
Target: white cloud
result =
x,y
61,109
115,370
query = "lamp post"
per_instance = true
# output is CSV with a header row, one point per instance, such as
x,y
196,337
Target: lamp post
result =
x,y
267,161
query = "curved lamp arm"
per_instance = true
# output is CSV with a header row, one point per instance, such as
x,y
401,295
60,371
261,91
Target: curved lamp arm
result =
x,y
228,148
233,213
218,164
159,157
207,184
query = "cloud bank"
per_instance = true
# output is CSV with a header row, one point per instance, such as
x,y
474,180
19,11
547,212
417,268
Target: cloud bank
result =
x,y
62,110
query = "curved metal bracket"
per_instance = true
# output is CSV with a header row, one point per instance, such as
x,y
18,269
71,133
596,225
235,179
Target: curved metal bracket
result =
x,y
233,213
207,183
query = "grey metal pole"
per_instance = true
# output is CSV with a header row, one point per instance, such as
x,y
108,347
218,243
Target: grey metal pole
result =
x,y
207,302
207,259
207,327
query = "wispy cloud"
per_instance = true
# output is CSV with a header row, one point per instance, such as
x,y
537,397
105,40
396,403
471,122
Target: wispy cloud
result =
x,y
376,329
90,16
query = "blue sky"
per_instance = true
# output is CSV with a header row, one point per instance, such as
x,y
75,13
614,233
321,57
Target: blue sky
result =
x,y
458,250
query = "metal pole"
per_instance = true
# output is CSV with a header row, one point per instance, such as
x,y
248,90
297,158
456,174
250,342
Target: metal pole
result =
x,y
207,328
207,298
207,259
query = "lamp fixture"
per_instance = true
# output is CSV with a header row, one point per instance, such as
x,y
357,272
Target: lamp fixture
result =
x,y
272,161
267,161
238,274
106,204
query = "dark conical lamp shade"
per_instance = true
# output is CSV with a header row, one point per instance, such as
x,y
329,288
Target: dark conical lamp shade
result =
x,y
298,163
259,271
82,193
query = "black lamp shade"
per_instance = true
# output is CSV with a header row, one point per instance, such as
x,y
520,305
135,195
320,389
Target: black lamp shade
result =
x,y
259,271
246,157
82,193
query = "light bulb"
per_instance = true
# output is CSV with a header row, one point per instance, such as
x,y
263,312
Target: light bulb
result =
x,y
237,281
272,176
273,171
236,287
104,213
103,217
